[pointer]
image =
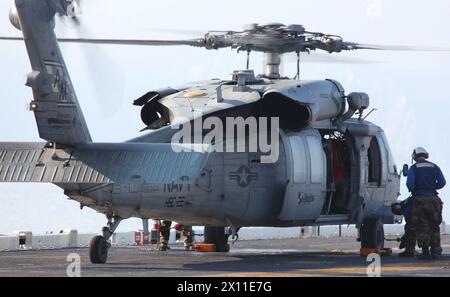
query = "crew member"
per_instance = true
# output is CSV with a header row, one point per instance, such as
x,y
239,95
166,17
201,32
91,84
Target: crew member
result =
x,y
341,178
409,239
189,240
164,230
424,178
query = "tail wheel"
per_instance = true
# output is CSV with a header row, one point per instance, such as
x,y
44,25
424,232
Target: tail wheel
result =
x,y
372,233
217,236
98,250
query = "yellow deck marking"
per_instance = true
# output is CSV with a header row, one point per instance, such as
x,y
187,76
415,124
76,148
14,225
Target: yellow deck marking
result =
x,y
338,270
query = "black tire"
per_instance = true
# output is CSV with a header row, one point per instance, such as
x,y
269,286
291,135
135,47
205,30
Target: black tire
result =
x,y
98,250
372,233
217,236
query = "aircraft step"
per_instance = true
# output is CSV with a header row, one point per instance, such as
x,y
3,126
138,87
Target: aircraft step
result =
x,y
333,218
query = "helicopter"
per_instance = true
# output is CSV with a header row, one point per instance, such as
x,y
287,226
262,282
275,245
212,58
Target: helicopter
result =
x,y
253,150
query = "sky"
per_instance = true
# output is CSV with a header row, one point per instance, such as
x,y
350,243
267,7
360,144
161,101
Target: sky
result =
x,y
410,90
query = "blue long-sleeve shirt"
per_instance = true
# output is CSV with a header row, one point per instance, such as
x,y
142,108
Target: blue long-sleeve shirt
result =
x,y
424,178
407,209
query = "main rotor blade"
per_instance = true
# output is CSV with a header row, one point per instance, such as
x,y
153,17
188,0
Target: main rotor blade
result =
x,y
148,42
351,46
192,42
315,57
11,38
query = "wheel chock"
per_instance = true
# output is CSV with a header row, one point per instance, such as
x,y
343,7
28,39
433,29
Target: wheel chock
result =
x,y
205,247
364,252
386,252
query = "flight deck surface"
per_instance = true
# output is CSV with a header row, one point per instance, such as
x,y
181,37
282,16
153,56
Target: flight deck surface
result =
x,y
279,258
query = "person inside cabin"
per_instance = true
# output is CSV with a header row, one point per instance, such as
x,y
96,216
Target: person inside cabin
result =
x,y
341,176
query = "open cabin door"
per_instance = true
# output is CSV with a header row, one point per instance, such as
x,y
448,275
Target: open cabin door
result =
x,y
306,170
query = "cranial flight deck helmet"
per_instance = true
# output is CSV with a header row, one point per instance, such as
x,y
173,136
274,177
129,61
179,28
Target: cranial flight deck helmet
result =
x,y
419,152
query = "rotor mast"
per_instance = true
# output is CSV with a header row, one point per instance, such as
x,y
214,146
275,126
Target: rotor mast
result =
x,y
273,61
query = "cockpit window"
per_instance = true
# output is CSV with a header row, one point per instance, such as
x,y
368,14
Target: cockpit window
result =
x,y
392,166
374,156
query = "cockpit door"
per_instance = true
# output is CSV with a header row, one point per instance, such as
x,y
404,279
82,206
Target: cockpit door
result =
x,y
306,166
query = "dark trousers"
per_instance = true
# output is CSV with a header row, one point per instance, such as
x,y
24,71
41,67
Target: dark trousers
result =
x,y
165,232
425,219
409,239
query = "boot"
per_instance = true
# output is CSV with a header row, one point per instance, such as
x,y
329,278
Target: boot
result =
x,y
163,247
408,253
425,254
189,247
435,256
436,253
402,244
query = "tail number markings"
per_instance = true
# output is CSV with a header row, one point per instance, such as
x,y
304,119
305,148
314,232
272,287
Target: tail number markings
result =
x,y
178,201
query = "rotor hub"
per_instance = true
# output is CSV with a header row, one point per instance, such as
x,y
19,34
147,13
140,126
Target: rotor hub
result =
x,y
274,28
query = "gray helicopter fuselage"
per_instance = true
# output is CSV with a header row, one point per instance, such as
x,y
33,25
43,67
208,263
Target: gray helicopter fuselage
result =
x,y
224,188
237,188
145,178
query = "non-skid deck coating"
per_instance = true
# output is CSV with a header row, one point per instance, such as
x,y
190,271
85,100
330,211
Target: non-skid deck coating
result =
x,y
283,257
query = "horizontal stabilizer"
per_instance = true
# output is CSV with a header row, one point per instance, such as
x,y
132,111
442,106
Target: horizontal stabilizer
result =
x,y
100,163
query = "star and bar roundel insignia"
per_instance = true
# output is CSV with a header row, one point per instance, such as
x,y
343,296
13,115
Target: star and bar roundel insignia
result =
x,y
243,176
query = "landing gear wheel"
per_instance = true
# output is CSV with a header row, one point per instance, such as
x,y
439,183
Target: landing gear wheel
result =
x,y
217,236
98,250
372,233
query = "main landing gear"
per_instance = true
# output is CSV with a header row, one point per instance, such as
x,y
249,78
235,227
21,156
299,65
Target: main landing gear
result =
x,y
217,236
99,245
372,233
